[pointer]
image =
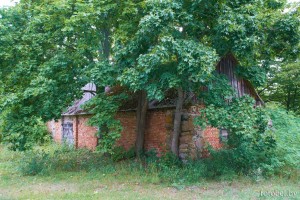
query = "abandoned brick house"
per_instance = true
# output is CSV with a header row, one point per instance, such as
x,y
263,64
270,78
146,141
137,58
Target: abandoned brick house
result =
x,y
73,128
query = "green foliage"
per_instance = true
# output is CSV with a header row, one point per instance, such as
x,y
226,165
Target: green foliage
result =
x,y
254,147
251,144
220,164
104,107
118,182
283,29
248,28
172,170
119,153
49,50
160,56
23,134
217,91
286,127
40,161
256,75
166,168
284,86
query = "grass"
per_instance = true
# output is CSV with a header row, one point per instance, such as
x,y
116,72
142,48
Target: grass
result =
x,y
127,183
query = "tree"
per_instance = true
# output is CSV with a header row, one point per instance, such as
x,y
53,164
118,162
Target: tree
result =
x,y
47,50
50,49
284,86
177,44
160,56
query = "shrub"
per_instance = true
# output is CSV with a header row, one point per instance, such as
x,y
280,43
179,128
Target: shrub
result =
x,y
34,163
286,127
172,170
165,169
120,153
251,143
254,147
23,134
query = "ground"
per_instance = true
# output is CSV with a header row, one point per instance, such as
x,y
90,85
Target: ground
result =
x,y
95,185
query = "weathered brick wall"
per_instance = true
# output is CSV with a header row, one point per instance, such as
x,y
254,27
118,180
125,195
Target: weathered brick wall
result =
x,y
211,136
193,140
157,132
86,134
128,135
54,127
157,136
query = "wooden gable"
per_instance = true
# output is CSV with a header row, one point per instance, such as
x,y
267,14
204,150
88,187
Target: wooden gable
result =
x,y
227,66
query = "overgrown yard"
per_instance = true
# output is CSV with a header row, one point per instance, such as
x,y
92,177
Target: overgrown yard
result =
x,y
125,181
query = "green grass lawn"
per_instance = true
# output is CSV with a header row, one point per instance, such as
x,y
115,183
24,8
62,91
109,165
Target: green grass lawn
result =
x,y
125,184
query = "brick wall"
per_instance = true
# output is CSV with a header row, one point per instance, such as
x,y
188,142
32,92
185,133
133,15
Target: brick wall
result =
x,y
54,127
128,135
157,136
157,131
211,136
86,134
193,140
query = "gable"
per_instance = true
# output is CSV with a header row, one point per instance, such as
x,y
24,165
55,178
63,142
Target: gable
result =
x,y
227,66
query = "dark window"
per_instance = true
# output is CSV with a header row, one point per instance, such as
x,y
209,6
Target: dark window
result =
x,y
223,135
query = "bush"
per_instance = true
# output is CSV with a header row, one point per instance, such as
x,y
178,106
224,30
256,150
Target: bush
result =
x,y
167,168
119,153
254,146
251,143
253,149
286,127
23,134
172,170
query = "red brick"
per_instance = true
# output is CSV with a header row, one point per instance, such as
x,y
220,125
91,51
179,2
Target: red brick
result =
x,y
157,134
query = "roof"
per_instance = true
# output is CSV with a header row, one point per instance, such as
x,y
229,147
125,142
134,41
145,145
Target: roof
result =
x,y
89,91
226,66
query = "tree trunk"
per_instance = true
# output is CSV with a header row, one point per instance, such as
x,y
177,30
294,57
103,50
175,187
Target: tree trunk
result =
x,y
294,99
141,122
106,43
177,122
288,100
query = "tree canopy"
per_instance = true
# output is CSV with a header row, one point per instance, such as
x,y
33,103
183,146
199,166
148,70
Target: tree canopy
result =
x,y
49,49
284,85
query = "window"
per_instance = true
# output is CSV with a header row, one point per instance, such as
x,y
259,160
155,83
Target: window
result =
x,y
223,135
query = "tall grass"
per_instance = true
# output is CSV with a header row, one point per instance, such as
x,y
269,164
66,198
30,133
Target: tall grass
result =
x,y
54,158
164,169
167,168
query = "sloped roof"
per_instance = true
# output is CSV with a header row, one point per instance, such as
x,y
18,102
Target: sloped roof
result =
x,y
89,91
226,66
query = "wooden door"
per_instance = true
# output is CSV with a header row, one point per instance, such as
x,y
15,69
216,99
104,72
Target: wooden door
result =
x,y
68,136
